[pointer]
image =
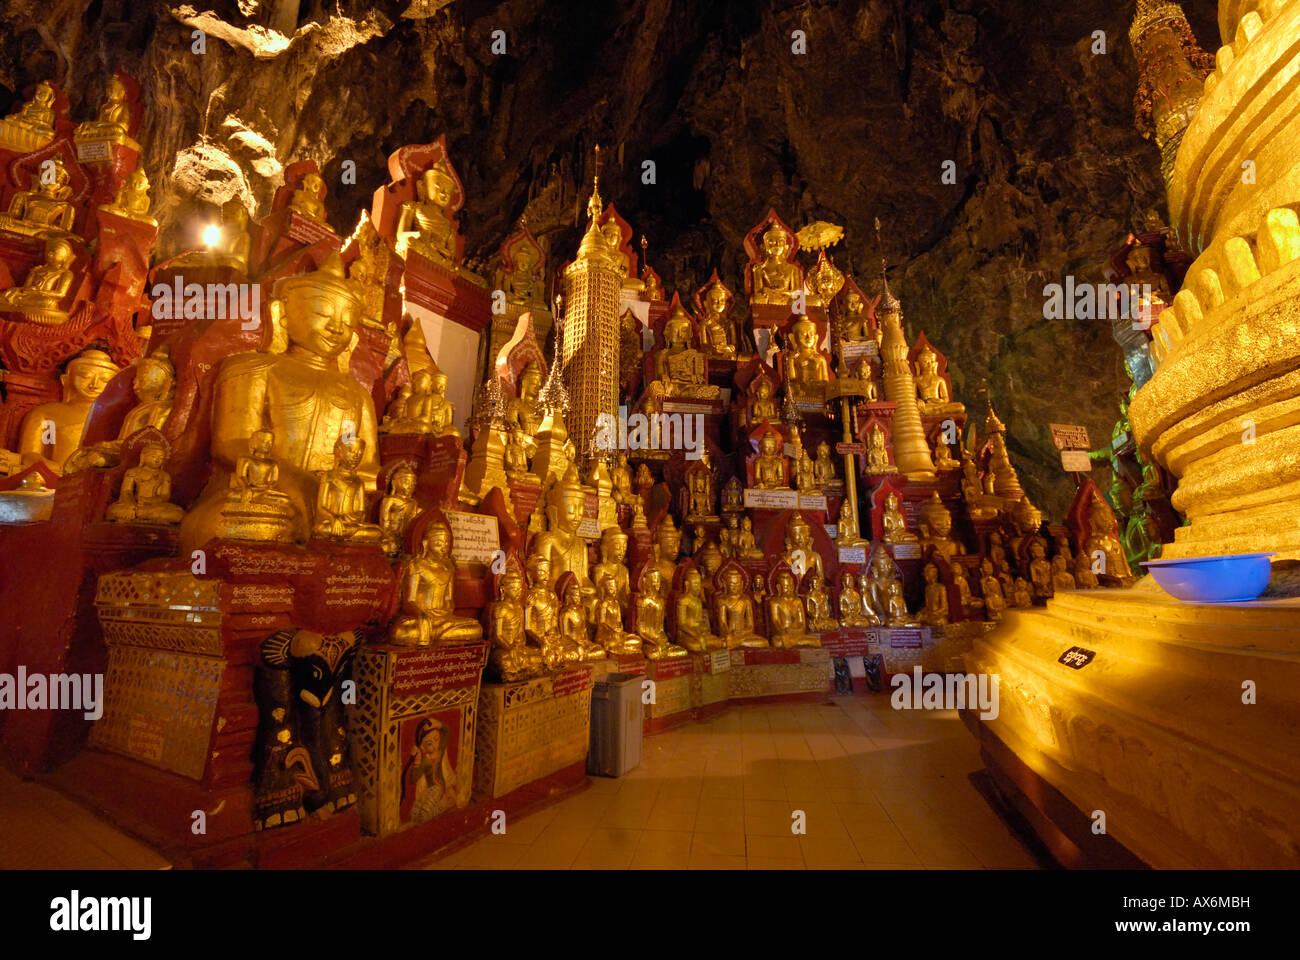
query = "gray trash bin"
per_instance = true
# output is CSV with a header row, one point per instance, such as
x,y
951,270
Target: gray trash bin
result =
x,y
615,725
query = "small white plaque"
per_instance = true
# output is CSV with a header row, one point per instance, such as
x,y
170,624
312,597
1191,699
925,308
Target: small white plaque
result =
x,y
771,499
474,536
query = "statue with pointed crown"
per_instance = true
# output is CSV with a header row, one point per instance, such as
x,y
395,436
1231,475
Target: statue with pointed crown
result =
x,y
560,542
427,224
775,278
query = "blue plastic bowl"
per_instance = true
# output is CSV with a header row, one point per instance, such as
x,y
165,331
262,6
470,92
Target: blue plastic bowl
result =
x,y
1230,579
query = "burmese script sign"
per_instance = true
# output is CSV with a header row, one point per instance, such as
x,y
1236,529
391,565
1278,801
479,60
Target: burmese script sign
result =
x,y
474,536
772,499
425,671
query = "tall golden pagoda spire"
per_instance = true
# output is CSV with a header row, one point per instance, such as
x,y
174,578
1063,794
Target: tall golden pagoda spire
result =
x,y
911,452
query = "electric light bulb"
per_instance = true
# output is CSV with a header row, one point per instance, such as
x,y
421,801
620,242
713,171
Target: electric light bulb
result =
x,y
211,235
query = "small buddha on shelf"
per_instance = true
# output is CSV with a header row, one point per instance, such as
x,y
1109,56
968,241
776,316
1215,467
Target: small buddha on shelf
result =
x,y
613,564
846,527
693,618
1084,577
341,497
45,210
621,477
786,618
398,509
853,610
575,628
31,126
46,285
876,588
542,612
878,452
132,200
968,602
699,491
1022,593
746,544
255,507
1062,578
146,492
896,614
512,658
936,529
818,605
728,535
715,330
824,467
733,496
943,455
994,599
932,391
515,454
113,122
680,369
154,385
935,611
807,371
427,224
763,408
1101,537
775,279
610,617
805,474
895,526
427,616
800,553
1040,571
665,550
734,613
650,619
770,465
308,199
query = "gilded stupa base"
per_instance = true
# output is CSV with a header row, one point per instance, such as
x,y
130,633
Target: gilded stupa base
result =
x,y
1134,705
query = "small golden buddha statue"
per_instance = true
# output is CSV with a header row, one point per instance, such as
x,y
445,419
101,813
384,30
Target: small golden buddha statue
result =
x,y
146,492
715,329
512,658
560,542
878,452
255,508
154,386
52,431
309,199
734,613
638,514
650,609
786,618
746,544
1061,576
935,611
994,600
621,477
397,510
770,466
542,614
1040,571
931,387
728,535
825,467
31,126
763,409
699,491
895,526
1143,273
775,279
428,613
818,604
936,529
1101,536
613,564
943,456
807,370
896,614
665,550
968,602
524,410
1084,578
341,497
680,369
805,474
853,324
979,505
611,633
800,553
733,496
132,201
575,629
426,224
526,283
875,584
516,454
113,122
433,409
44,211
854,611
846,527
693,617
643,481
1022,595
46,285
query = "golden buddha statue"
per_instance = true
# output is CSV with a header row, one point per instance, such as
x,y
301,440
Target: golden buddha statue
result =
x,y
728,535
935,611
959,581
526,283
1040,571
613,564
1101,537
979,505
651,606
154,386
621,478
994,600
786,618
896,614
341,497
511,657
807,371
46,285
699,491
309,199
611,635
733,612
255,508
854,611
936,529
825,467
805,474
931,387
846,527
818,604
894,524
943,456
560,542
1143,273
146,492
1021,593
1084,578
878,452
638,514
426,225
397,510
44,211
524,410
132,200
52,431
775,279
665,550
875,584
680,369
298,387
693,617
853,324
575,629
800,554
770,465
542,615
113,122
763,408
746,546
428,613
715,329
31,126
516,454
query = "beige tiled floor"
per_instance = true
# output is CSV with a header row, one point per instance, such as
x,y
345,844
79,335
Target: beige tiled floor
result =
x,y
878,789
40,829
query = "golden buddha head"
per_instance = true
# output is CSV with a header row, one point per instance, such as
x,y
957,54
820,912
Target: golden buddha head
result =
x,y
928,361
87,375
510,586
797,532
530,381
573,595
437,185
891,502
846,582
421,382
566,502
775,243
525,258
114,90
612,233
153,455
313,185
608,587
677,329
864,584
437,540
539,569
613,545
767,444
53,181
853,303
931,573
785,584
1100,519
651,580
804,334
402,481
1027,517
668,538
733,582
44,94
438,384
715,299
764,389
693,583
1037,550
711,558
321,312
936,517
154,377
260,443
348,451
986,567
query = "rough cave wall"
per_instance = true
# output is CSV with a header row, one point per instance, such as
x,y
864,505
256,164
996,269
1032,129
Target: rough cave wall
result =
x,y
1050,174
